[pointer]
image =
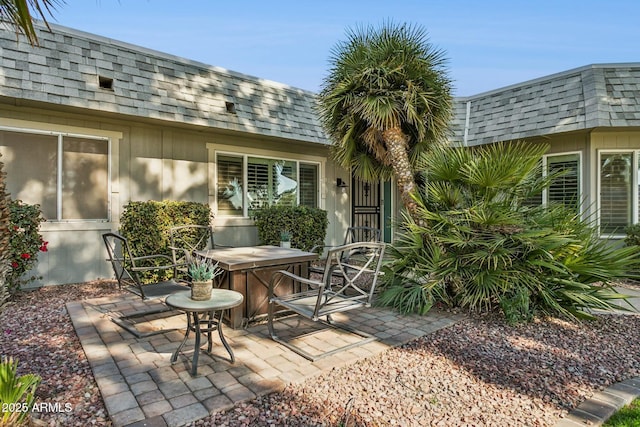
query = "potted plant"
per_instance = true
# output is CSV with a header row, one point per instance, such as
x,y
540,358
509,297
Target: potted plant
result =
x,y
285,239
202,272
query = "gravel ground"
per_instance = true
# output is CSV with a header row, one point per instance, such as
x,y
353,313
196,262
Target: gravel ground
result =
x,y
478,372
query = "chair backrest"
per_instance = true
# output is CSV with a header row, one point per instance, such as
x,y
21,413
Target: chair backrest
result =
x,y
184,240
348,283
362,234
119,255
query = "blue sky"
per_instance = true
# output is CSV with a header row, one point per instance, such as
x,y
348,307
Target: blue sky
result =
x,y
489,43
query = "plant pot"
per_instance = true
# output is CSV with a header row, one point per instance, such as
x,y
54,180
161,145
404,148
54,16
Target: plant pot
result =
x,y
285,244
201,291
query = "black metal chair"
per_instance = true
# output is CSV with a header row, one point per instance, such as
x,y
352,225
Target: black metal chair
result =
x,y
354,288
127,269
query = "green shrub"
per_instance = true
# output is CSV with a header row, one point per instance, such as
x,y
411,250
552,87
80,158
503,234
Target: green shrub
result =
x,y
25,242
17,393
480,245
146,226
633,235
307,227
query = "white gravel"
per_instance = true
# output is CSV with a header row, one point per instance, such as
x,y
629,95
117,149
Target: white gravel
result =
x,y
478,372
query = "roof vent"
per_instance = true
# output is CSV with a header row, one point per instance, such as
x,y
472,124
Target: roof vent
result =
x,y
231,107
105,83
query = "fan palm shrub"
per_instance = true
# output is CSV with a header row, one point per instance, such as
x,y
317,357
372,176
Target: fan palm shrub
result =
x,y
481,245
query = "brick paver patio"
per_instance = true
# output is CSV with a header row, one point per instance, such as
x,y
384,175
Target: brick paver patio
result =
x,y
140,386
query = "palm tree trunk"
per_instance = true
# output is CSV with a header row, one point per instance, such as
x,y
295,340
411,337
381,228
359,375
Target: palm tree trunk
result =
x,y
397,149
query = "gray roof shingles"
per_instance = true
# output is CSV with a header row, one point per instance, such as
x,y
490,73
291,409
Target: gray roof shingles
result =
x,y
65,68
603,95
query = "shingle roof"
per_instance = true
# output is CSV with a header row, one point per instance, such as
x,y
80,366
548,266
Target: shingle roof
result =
x,y
604,95
64,70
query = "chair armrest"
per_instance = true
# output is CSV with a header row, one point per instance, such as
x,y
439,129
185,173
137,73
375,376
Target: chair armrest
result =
x,y
316,247
165,258
296,278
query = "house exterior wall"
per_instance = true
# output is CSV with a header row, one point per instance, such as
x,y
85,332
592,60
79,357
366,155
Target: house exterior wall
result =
x,y
158,161
166,117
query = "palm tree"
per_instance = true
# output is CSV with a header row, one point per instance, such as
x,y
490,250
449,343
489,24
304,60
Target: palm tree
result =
x,y
19,14
386,99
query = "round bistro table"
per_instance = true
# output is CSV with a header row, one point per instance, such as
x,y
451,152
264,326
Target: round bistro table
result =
x,y
202,318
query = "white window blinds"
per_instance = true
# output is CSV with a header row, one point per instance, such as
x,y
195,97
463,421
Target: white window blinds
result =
x,y
615,192
565,184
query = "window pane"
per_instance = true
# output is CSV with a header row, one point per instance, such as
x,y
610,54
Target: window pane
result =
x,y
615,192
230,196
565,188
85,176
309,185
271,182
30,161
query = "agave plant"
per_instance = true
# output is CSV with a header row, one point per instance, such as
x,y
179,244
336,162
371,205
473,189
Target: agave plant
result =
x,y
481,245
203,270
17,393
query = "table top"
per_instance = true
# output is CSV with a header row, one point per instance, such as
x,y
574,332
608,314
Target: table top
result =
x,y
242,258
221,299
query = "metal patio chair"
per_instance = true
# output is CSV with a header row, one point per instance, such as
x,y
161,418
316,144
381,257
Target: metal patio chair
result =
x,y
353,235
184,241
127,269
320,299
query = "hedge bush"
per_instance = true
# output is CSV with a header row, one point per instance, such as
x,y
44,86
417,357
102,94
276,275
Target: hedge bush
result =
x,y
307,226
146,226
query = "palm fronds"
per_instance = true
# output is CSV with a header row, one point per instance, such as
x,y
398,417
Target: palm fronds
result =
x,y
479,245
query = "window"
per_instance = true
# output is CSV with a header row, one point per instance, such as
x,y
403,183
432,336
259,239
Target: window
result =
x,y
565,186
271,182
309,185
230,195
249,183
67,175
616,191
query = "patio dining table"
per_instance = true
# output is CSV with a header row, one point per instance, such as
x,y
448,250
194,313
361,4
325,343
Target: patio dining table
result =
x,y
248,270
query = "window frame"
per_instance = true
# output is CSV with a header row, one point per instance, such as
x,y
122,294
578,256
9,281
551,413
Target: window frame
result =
x,y
60,134
635,182
272,155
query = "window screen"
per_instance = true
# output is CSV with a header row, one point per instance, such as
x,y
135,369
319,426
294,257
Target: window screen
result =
x,y
84,171
31,164
30,161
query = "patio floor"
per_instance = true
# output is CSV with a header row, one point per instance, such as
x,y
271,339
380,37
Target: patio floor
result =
x,y
140,386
